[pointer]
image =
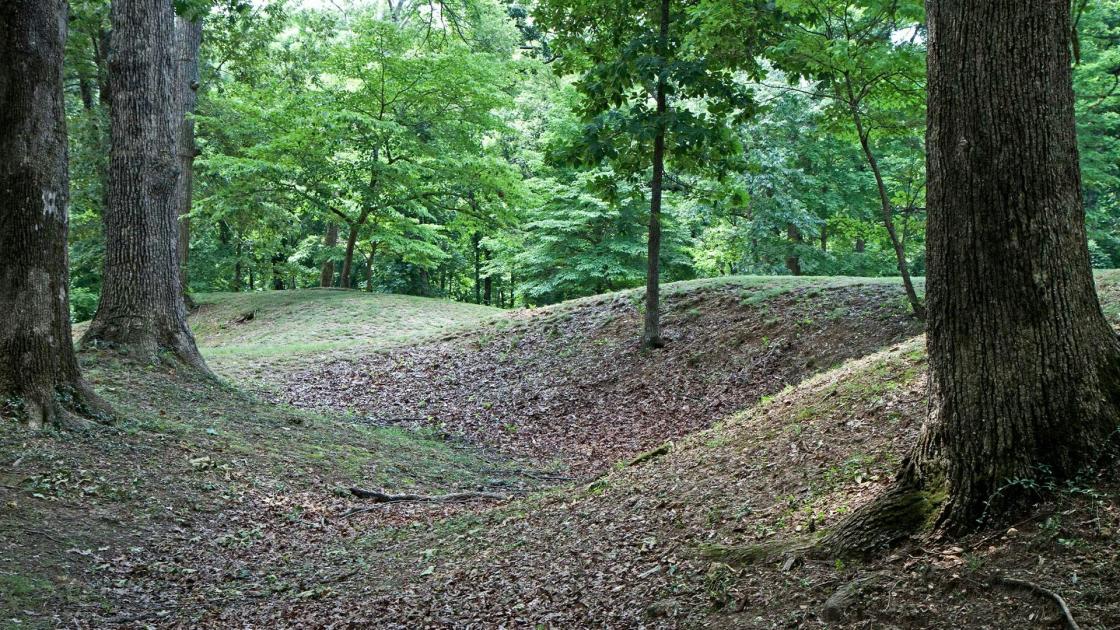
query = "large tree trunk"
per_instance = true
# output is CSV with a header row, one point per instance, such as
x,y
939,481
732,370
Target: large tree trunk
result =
x,y
40,382
141,311
326,272
1024,368
651,330
188,39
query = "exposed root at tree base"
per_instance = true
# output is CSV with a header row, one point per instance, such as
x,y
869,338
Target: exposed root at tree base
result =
x,y
893,516
1067,616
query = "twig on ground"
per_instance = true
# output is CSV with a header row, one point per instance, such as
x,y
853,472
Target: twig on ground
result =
x,y
1070,624
45,535
382,497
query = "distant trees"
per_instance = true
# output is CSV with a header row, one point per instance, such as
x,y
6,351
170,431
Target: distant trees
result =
x,y
40,382
141,311
381,131
1024,368
866,59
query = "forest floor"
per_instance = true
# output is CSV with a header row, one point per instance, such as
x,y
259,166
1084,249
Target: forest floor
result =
x,y
778,406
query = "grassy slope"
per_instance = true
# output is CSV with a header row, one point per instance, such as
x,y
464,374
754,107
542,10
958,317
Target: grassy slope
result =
x,y
292,328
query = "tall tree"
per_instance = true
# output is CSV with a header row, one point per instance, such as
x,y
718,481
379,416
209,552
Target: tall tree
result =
x,y
871,76
141,311
633,53
1024,368
40,382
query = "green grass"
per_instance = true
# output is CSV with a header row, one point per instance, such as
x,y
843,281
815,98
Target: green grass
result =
x,y
291,329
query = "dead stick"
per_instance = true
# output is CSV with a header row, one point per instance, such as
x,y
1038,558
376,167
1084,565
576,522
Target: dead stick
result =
x,y
1041,590
382,497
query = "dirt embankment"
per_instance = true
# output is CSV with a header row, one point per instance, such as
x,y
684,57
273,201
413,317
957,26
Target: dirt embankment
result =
x,y
573,385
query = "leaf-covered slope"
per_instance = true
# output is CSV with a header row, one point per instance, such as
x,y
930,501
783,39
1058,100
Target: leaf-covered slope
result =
x,y
667,543
571,383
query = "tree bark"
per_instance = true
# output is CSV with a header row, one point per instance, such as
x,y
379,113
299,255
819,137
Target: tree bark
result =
x,y
475,240
348,258
487,283
651,333
326,272
40,382
1024,368
369,266
793,261
188,40
141,312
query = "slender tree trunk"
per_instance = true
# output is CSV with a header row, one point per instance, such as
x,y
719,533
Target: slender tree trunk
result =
x,y
141,310
475,240
487,283
188,39
1024,368
824,238
651,333
326,272
793,261
369,266
348,258
40,382
277,273
885,207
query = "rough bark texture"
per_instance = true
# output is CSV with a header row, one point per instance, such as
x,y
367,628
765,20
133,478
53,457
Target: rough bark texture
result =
x,y
1024,368
651,333
40,382
141,311
326,272
188,39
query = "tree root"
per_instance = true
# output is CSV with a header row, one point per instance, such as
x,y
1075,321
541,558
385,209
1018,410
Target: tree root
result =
x,y
893,516
454,497
1067,616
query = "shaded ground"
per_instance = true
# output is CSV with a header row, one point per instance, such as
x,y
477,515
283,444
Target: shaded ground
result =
x,y
572,383
206,508
88,520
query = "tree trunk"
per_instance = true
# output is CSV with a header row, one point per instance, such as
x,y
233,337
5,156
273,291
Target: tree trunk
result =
x,y
824,238
369,266
475,240
326,273
40,382
793,261
1024,368
141,310
860,246
885,205
651,333
188,39
348,258
487,283
277,273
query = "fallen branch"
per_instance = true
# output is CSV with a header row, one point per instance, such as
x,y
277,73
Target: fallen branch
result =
x,y
650,454
1041,590
454,497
